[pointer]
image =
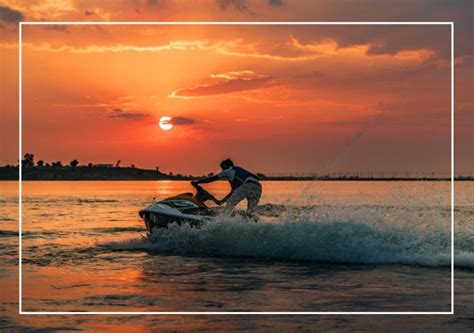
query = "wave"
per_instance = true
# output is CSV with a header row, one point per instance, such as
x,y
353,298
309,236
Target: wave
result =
x,y
118,229
96,200
62,200
8,233
316,239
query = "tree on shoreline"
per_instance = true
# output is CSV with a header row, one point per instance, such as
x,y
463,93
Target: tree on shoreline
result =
x,y
28,160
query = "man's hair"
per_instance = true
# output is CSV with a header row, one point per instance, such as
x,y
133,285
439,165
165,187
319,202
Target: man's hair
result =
x,y
227,163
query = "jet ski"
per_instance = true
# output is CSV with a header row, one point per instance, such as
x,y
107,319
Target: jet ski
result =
x,y
183,208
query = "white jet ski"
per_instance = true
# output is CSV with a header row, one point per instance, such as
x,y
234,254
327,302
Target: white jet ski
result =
x,y
182,208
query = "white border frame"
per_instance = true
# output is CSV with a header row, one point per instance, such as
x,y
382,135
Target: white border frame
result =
x,y
301,23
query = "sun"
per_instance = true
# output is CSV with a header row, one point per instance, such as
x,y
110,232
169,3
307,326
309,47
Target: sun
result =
x,y
165,124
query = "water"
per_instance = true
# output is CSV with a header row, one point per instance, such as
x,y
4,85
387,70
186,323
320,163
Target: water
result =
x,y
321,246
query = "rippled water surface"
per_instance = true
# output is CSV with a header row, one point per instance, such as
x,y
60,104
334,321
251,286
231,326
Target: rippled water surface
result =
x,y
320,246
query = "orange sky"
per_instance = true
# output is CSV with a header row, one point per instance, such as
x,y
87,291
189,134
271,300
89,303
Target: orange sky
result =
x,y
273,98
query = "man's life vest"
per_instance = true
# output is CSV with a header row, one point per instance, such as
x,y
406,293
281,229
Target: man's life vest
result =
x,y
242,176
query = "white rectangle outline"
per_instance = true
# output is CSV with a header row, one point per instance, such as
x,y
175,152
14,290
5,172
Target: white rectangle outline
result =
x,y
21,312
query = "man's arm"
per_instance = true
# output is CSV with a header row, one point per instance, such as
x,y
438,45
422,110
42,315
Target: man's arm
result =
x,y
206,180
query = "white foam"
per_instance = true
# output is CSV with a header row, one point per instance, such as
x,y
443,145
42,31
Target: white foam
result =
x,y
377,236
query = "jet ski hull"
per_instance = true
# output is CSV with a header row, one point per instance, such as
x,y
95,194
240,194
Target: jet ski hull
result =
x,y
161,215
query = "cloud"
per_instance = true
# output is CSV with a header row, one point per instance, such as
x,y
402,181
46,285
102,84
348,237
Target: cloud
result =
x,y
153,3
239,5
56,27
380,40
98,13
174,45
54,8
246,75
121,114
10,15
124,103
182,121
275,2
292,50
229,82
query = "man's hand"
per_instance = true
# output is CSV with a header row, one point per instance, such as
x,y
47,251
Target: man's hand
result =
x,y
218,202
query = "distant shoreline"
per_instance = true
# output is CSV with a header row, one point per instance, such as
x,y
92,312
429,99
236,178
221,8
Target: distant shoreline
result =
x,y
262,180
83,173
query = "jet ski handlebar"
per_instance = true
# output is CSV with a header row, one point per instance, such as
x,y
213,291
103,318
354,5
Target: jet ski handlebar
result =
x,y
202,195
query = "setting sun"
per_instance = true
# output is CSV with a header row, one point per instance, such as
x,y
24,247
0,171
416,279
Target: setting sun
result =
x,y
165,123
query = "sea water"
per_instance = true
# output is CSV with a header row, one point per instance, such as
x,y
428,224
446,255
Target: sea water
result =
x,y
319,246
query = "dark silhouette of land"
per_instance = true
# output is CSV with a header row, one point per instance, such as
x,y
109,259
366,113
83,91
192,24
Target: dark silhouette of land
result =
x,y
40,170
74,171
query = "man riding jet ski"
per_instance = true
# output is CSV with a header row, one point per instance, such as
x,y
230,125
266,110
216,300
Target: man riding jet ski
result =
x,y
189,208
244,184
